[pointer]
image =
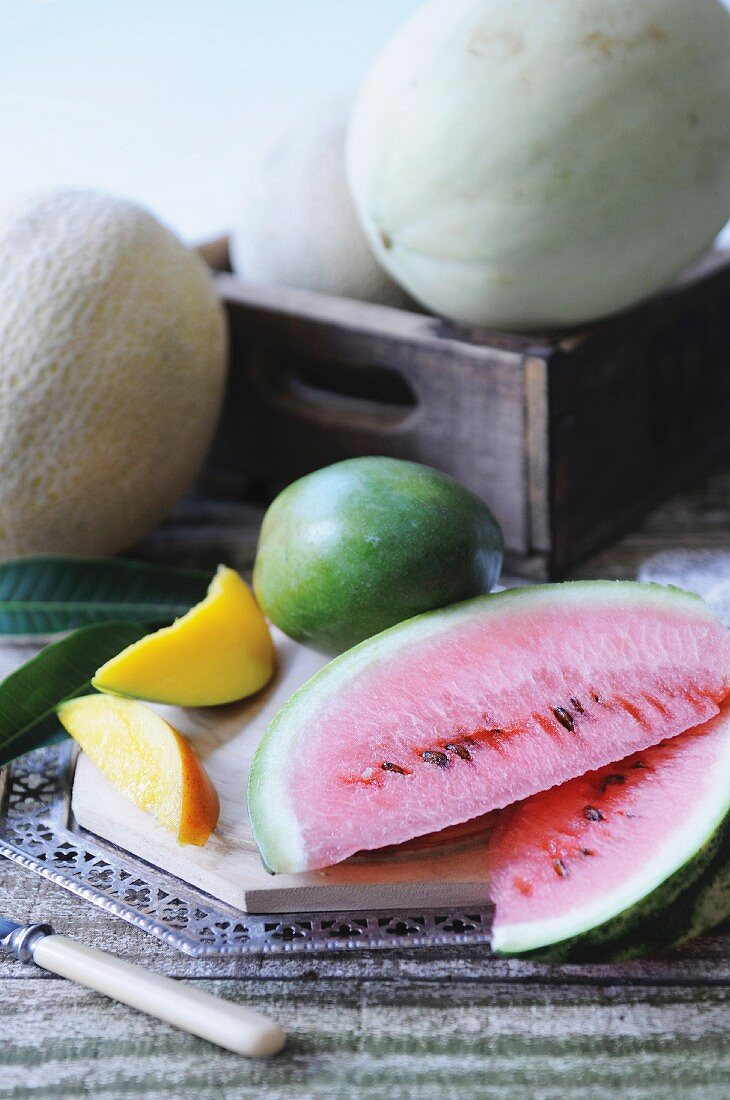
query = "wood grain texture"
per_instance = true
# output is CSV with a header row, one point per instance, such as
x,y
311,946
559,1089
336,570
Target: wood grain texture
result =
x,y
411,1024
636,409
372,1039
569,437
336,378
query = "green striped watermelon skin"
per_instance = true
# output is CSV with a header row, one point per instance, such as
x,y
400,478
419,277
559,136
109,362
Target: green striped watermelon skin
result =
x,y
626,861
689,904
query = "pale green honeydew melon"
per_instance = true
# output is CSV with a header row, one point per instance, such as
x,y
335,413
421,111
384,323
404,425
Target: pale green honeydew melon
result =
x,y
526,163
297,224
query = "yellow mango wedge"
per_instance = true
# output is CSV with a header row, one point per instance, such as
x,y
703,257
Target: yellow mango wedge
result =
x,y
147,761
220,651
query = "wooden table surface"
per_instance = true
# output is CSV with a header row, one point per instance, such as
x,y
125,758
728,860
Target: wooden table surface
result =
x,y
417,1023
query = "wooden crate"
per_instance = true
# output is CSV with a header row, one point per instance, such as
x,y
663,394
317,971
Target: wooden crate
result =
x,y
569,437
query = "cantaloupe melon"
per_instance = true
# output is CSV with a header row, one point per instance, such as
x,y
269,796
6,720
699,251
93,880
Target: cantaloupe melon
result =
x,y
112,366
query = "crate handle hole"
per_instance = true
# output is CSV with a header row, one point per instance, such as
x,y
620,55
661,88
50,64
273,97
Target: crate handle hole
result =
x,y
349,387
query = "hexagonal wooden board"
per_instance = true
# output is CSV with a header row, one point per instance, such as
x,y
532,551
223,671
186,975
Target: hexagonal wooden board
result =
x,y
448,870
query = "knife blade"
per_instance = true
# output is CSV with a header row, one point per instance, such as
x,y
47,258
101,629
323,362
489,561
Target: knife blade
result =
x,y
20,940
6,928
228,1025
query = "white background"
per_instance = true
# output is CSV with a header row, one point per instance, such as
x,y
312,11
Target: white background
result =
x,y
169,101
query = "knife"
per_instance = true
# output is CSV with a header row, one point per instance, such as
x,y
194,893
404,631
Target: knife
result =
x,y
221,1022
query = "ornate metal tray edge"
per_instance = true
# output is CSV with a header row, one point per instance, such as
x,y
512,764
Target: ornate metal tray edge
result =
x,y
37,831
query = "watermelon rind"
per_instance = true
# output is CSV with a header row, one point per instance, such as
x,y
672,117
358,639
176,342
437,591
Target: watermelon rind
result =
x,y
276,828
682,893
689,903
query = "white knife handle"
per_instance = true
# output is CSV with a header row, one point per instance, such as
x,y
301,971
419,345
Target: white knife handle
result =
x,y
219,1021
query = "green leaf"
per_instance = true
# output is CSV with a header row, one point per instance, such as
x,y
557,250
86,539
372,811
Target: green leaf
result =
x,y
30,695
47,595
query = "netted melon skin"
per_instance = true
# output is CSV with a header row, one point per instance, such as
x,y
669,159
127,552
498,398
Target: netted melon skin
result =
x,y
112,370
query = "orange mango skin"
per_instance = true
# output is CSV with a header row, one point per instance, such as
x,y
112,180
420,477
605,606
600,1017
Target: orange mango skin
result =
x,y
218,652
147,760
199,804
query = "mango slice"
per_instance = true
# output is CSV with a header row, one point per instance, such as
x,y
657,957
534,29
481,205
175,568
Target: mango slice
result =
x,y
220,651
147,760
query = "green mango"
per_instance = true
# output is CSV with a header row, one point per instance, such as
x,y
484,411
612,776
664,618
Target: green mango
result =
x,y
357,547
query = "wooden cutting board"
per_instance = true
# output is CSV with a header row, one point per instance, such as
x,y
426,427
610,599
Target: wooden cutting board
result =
x,y
450,870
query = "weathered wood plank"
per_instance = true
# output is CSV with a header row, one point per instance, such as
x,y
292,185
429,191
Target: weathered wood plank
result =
x,y
370,1040
633,404
698,519
292,352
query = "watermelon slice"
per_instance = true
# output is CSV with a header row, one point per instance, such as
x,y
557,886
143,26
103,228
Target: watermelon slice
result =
x,y
625,861
468,709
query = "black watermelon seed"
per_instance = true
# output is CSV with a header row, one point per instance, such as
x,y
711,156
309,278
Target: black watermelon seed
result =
x,y
388,766
565,718
590,813
639,764
460,750
587,852
611,779
431,756
577,705
560,868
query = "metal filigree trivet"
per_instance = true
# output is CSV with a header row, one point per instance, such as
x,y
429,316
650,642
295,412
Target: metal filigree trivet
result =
x,y
37,830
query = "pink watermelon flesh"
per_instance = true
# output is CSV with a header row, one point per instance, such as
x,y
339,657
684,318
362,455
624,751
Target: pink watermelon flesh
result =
x,y
571,853
473,708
